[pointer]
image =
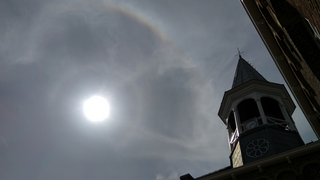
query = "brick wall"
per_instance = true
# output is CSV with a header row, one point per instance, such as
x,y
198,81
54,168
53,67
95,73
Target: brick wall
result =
x,y
298,33
309,9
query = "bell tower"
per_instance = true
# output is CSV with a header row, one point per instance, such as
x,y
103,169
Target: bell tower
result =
x,y
257,114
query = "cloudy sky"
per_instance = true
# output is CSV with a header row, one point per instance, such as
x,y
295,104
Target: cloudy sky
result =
x,y
162,65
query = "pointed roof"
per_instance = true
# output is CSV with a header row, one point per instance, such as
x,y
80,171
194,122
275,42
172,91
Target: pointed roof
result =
x,y
244,73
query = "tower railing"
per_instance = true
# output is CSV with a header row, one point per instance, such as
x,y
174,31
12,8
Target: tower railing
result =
x,y
271,121
280,123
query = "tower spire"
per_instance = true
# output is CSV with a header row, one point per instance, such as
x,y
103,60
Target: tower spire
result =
x,y
245,72
257,114
239,53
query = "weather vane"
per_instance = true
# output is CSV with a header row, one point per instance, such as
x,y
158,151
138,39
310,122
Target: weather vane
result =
x,y
239,53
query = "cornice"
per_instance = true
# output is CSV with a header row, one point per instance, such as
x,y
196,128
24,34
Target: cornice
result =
x,y
269,88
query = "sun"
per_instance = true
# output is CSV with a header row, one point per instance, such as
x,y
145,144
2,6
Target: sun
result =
x,y
96,108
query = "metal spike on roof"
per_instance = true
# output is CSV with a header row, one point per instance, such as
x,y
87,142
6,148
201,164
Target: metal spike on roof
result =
x,y
245,72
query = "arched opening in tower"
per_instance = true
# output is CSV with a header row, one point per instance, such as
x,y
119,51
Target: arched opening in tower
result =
x,y
231,124
271,108
248,109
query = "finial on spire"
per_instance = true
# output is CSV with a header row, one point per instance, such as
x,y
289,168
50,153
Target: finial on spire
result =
x,y
239,53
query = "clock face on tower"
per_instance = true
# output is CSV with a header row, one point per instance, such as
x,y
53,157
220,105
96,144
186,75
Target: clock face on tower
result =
x,y
251,124
257,148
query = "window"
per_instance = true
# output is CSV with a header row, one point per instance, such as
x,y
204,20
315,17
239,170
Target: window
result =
x,y
271,108
248,109
315,30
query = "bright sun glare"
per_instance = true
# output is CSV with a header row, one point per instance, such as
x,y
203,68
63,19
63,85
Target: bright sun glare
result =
x,y
96,108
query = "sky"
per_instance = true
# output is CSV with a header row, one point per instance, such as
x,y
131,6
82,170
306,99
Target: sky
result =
x,y
163,66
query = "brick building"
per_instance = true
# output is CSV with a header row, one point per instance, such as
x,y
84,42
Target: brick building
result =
x,y
309,9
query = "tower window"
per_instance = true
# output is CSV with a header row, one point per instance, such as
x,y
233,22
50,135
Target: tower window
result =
x,y
231,122
248,109
271,108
